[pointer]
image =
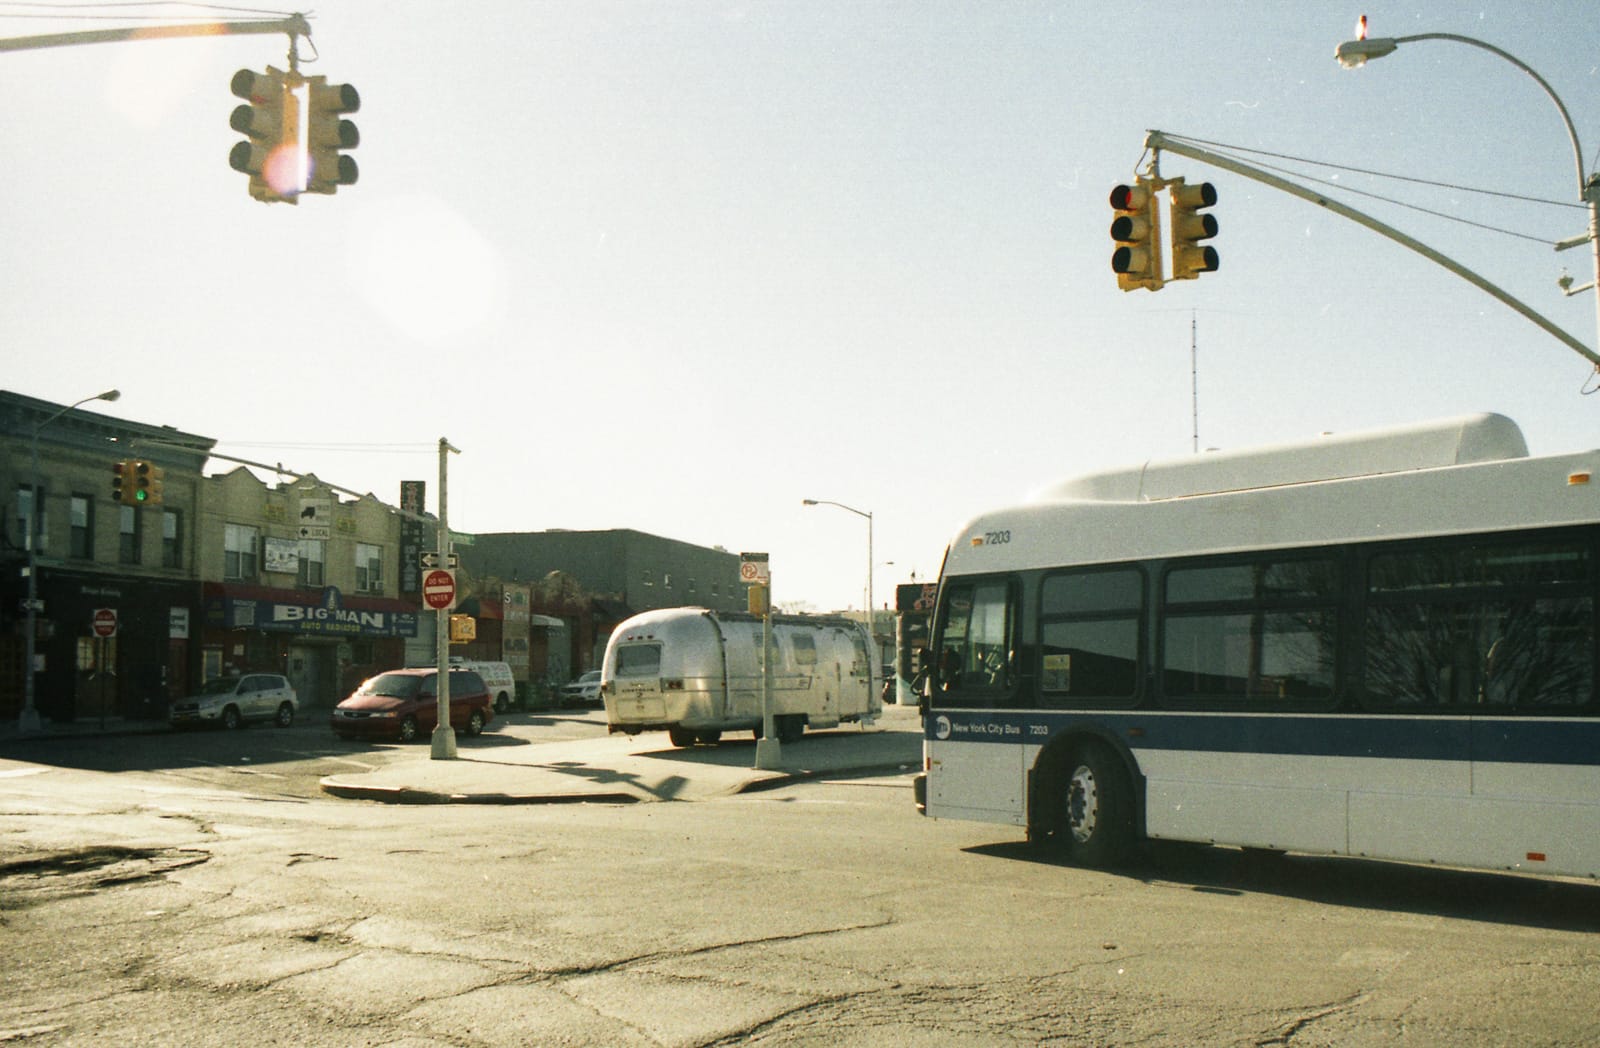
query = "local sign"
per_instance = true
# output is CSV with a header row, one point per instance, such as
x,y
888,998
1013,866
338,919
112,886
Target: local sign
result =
x,y
105,622
439,589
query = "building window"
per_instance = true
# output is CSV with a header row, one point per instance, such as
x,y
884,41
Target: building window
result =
x,y
311,554
81,540
24,524
171,539
130,535
647,577
666,580
369,568
239,557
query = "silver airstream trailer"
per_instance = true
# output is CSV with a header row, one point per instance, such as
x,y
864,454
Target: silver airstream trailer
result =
x,y
698,673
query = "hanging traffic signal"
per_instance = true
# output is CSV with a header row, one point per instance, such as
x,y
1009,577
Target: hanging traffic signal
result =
x,y
154,481
270,119
121,489
328,133
1190,258
146,486
1137,231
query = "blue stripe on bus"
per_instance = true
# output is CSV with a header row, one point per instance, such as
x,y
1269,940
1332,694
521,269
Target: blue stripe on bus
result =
x,y
1508,740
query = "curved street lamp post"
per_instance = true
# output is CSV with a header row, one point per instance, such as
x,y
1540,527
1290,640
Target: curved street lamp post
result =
x,y
871,633
1355,53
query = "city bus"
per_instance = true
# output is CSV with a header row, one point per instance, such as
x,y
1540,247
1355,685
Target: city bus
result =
x,y
1381,644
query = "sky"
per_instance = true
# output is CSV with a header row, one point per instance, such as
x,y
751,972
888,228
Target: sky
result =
x,y
676,266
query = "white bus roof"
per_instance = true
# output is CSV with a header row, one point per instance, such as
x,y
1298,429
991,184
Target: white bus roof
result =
x,y
1457,441
1451,477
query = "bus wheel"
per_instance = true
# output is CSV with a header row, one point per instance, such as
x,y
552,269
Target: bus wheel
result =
x,y
1096,817
680,736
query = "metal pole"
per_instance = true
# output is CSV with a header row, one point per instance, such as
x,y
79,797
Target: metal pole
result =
x,y
1355,53
769,750
1157,140
29,722
444,736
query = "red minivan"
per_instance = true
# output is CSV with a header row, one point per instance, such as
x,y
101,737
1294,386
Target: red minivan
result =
x,y
404,704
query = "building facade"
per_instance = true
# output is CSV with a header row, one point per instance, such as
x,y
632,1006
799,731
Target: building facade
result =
x,y
133,566
138,605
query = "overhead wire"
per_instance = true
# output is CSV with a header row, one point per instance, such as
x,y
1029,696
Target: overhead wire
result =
x,y
1329,183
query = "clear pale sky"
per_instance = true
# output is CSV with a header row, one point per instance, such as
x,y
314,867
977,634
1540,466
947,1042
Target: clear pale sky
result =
x,y
676,266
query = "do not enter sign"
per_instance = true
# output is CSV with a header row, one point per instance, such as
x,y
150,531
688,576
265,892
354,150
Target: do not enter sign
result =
x,y
105,622
439,589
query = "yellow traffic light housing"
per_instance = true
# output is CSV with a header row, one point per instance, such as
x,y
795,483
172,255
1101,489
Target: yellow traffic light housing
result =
x,y
121,488
1136,228
144,488
273,154
1189,226
328,133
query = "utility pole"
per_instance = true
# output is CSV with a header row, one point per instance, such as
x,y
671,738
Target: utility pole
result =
x,y
444,736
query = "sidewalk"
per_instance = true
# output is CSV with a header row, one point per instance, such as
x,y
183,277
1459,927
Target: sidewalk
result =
x,y
622,769
9,731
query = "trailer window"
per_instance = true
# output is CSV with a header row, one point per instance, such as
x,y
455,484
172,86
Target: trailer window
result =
x,y
639,660
805,649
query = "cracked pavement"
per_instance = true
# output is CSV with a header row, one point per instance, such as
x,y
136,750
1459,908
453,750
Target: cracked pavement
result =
x,y
825,912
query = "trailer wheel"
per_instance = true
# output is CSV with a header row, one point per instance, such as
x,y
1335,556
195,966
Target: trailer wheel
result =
x,y
680,736
790,727
708,738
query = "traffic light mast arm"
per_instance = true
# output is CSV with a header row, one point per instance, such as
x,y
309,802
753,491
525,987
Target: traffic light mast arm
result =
x,y
140,442
295,25
1157,141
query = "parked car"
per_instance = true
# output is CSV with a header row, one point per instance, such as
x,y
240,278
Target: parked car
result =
x,y
404,704
585,691
235,701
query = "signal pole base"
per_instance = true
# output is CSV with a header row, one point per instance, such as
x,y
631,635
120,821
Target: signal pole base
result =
x,y
769,755
444,743
30,722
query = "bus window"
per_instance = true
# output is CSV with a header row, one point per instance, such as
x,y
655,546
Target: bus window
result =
x,y
1089,636
1251,632
1504,625
975,649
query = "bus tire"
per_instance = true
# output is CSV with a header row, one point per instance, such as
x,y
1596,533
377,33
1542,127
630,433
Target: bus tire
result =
x,y
1096,813
680,736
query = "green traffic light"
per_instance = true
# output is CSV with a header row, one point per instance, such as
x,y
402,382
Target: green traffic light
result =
x,y
140,496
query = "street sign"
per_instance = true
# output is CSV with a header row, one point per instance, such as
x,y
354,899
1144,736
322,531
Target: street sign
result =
x,y
754,569
439,589
105,622
430,559
316,518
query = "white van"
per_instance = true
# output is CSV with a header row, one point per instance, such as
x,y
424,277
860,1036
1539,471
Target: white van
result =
x,y
497,676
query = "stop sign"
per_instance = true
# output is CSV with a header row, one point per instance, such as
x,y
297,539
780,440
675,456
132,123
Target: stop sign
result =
x,y
439,589
105,622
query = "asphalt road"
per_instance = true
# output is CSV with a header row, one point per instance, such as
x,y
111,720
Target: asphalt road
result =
x,y
187,901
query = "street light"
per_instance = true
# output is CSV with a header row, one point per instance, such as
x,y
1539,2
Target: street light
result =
x,y
1355,53
29,721
871,632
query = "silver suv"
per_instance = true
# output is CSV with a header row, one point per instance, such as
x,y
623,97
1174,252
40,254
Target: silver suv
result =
x,y
233,701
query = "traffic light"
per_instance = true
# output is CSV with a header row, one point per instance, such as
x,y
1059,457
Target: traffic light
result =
x,y
270,119
328,132
146,485
1137,231
121,489
1190,258
155,476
